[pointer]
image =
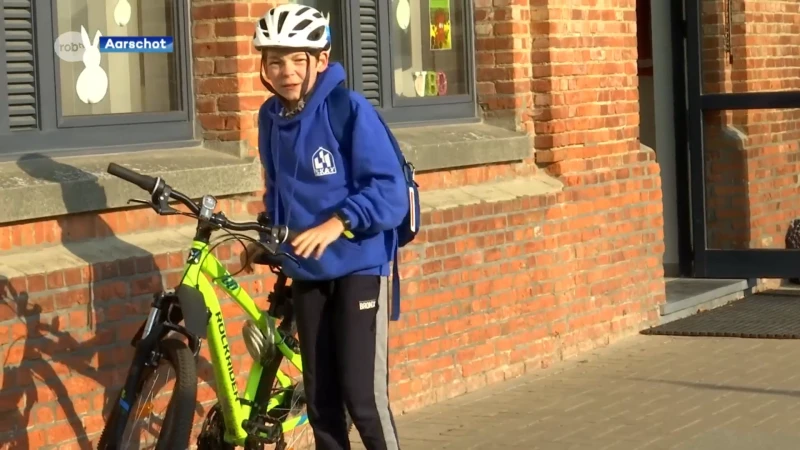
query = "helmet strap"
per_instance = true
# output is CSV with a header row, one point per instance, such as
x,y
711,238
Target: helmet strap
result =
x,y
304,87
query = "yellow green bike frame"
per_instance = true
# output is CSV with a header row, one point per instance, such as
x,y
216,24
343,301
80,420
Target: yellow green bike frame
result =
x,y
201,266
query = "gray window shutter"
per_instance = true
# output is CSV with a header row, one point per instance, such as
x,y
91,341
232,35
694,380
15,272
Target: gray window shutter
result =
x,y
18,64
370,62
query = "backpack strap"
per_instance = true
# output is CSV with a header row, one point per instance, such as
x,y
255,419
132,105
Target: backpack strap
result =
x,y
395,146
340,114
396,283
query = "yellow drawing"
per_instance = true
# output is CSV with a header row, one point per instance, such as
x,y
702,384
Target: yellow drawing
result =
x,y
439,12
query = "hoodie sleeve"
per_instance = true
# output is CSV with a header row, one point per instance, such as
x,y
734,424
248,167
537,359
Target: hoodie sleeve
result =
x,y
380,203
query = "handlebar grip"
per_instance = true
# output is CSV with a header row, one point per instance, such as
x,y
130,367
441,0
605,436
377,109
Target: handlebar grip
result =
x,y
292,234
145,182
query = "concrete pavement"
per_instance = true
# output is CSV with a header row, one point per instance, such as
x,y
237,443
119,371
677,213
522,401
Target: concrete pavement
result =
x,y
645,392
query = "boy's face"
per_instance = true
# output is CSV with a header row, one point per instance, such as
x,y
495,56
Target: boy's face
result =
x,y
285,69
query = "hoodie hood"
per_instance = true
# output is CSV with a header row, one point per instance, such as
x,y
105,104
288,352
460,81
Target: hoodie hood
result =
x,y
325,83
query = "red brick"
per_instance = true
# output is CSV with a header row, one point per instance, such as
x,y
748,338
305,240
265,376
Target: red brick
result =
x,y
36,283
203,67
206,105
219,10
145,285
221,49
242,65
72,277
236,28
218,86
202,31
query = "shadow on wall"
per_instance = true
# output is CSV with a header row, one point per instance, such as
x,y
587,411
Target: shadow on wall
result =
x,y
23,402
70,350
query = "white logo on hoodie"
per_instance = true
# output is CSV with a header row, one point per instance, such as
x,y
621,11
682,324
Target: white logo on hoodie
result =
x,y
323,162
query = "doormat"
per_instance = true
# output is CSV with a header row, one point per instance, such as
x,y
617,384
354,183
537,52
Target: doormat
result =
x,y
761,316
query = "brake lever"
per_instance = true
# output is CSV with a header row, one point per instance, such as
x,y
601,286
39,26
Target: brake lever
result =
x,y
143,202
272,247
162,209
163,203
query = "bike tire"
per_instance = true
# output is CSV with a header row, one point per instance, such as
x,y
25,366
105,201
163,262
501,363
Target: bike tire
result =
x,y
178,421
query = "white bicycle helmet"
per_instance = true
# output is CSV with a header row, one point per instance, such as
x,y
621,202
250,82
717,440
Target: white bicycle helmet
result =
x,y
292,26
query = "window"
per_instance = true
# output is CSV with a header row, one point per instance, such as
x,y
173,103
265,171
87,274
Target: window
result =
x,y
427,61
412,59
333,10
62,97
425,58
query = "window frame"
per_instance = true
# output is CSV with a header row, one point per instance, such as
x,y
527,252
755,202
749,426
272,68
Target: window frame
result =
x,y
400,111
56,133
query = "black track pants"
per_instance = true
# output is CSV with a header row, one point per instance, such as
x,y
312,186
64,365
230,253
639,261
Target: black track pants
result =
x,y
343,330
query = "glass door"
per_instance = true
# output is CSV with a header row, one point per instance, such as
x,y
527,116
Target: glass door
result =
x,y
743,131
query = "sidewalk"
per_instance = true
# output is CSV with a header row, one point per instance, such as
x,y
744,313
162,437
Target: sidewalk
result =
x,y
646,392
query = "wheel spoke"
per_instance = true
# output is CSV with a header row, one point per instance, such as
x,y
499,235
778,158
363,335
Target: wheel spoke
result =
x,y
297,407
177,398
145,405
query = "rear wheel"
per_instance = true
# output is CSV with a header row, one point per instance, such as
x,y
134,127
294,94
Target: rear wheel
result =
x,y
176,378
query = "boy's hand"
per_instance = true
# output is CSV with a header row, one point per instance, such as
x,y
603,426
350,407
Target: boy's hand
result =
x,y
317,239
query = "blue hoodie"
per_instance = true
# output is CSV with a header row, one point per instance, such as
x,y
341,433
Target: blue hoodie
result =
x,y
315,179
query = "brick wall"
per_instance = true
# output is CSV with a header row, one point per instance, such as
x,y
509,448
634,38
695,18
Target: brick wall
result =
x,y
578,96
226,67
491,290
752,155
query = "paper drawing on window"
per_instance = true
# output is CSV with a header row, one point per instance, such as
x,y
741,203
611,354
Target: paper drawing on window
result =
x,y
431,88
439,12
122,13
441,83
92,83
419,83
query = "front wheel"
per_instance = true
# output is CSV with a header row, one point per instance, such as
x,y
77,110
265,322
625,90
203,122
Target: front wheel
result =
x,y
176,378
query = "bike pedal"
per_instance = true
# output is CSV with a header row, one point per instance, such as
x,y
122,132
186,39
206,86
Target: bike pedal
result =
x,y
267,433
292,343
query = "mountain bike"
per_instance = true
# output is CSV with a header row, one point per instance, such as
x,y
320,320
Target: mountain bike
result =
x,y
273,404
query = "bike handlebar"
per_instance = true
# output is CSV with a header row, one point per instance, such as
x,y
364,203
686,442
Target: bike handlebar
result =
x,y
157,187
145,182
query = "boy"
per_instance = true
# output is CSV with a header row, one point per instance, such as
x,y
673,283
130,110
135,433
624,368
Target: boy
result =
x,y
340,285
